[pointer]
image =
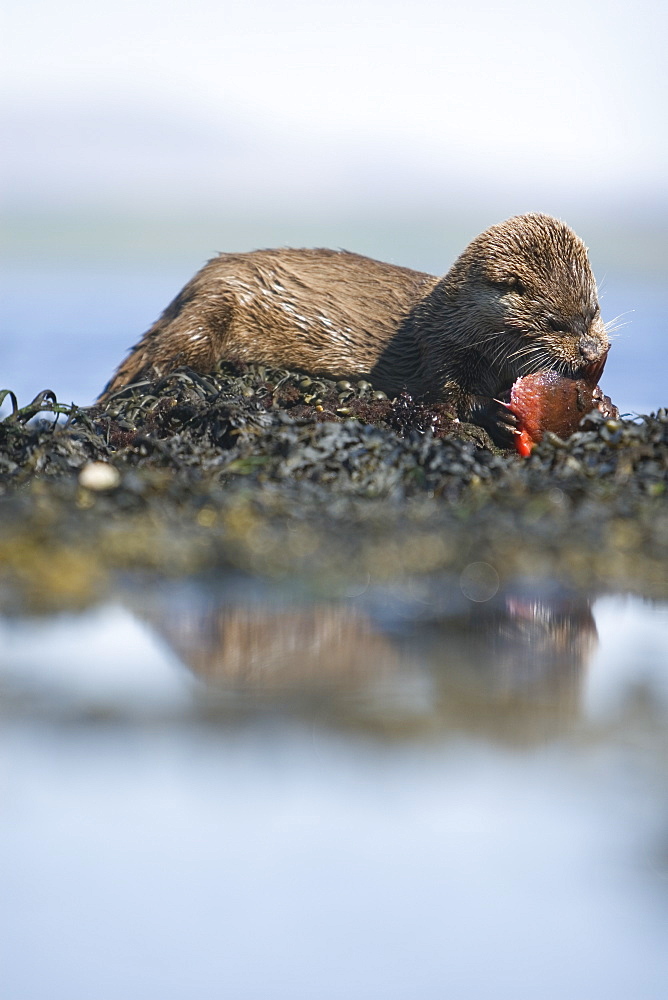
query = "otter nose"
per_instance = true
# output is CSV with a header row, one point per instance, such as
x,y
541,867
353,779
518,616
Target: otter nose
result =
x,y
591,348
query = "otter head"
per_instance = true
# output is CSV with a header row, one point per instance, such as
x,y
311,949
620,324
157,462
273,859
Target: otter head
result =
x,y
527,287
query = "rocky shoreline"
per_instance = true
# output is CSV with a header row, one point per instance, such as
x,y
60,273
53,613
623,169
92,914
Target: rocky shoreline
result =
x,y
276,474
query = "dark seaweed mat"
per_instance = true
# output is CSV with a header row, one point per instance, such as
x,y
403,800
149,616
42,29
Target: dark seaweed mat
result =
x,y
263,423
276,473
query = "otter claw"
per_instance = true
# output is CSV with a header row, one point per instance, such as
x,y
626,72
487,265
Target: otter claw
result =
x,y
498,419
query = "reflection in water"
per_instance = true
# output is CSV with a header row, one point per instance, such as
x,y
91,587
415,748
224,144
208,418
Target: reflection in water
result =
x,y
262,648
511,667
156,850
521,664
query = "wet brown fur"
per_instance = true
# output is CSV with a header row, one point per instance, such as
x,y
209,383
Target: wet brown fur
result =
x,y
521,298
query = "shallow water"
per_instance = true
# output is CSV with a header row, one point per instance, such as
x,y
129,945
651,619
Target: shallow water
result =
x,y
226,788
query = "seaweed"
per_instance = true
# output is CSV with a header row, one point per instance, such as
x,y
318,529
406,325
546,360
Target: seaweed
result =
x,y
278,473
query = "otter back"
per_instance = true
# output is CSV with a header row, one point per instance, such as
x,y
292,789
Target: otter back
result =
x,y
322,311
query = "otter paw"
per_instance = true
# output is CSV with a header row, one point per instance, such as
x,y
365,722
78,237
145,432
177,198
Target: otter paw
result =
x,y
497,418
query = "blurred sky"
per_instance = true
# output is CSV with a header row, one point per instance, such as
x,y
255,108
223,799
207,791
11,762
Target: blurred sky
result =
x,y
280,103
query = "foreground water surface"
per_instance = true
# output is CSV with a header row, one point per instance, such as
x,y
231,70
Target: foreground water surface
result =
x,y
231,789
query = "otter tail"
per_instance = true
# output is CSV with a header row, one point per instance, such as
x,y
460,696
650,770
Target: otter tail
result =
x,y
135,367
187,334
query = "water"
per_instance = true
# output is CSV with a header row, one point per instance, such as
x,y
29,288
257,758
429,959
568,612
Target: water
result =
x,y
226,789
73,334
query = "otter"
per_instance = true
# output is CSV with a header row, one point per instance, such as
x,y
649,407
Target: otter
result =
x,y
520,299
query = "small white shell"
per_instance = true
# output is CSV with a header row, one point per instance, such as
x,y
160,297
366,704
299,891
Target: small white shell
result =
x,y
99,476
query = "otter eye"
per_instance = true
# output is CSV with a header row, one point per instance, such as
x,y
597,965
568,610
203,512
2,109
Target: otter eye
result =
x,y
557,325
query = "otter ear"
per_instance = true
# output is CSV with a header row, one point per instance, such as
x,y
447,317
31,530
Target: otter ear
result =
x,y
508,283
514,284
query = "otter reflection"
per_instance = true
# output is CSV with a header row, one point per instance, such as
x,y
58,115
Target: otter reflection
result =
x,y
511,668
515,666
263,648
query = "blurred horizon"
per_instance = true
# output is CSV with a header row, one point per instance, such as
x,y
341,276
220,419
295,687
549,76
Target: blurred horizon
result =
x,y
286,107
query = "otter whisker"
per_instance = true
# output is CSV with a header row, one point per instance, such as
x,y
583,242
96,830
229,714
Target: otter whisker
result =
x,y
609,324
531,355
612,330
497,354
496,335
524,351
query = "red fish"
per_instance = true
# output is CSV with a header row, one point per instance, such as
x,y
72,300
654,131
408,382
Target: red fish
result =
x,y
548,401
